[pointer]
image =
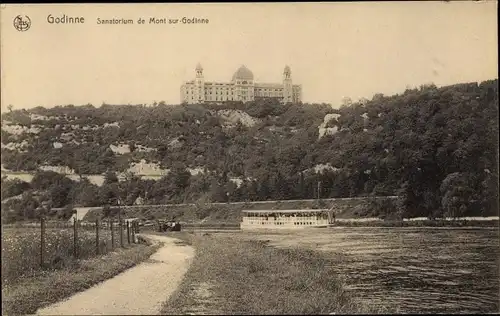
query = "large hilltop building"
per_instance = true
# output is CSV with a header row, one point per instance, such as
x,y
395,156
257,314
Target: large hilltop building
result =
x,y
241,88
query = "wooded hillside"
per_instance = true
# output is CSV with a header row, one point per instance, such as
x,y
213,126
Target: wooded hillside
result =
x,y
437,148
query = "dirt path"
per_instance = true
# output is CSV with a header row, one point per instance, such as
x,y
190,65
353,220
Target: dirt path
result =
x,y
139,290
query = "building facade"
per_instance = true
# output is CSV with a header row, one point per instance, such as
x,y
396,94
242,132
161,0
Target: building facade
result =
x,y
241,88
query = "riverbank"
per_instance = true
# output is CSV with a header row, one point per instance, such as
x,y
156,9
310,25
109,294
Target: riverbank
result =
x,y
483,223
29,294
234,276
366,222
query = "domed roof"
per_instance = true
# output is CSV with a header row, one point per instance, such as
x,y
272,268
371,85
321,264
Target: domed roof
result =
x,y
243,73
287,69
198,67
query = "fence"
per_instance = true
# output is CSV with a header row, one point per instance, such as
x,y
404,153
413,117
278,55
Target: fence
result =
x,y
28,248
89,239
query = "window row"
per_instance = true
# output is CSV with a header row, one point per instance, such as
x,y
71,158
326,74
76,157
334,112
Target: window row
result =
x,y
282,223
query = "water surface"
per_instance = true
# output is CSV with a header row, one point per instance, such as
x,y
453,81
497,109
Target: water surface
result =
x,y
409,270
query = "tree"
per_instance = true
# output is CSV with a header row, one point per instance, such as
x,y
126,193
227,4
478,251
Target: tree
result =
x,y
110,177
346,102
43,180
25,208
458,192
110,192
489,194
60,193
217,192
280,186
131,146
405,201
264,188
300,187
13,187
66,213
86,194
231,190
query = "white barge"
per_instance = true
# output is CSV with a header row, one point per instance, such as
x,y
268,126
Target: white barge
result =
x,y
287,219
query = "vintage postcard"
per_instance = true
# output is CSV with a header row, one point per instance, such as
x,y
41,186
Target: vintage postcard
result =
x,y
250,158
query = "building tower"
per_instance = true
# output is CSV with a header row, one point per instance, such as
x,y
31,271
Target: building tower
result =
x,y
287,85
199,91
244,85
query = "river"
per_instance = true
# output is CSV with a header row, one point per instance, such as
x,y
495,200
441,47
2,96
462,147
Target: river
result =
x,y
409,270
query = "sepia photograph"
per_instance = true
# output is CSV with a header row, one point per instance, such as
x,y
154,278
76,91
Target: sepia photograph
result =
x,y
304,158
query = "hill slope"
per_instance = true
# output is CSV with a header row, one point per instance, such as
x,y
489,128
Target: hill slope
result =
x,y
434,147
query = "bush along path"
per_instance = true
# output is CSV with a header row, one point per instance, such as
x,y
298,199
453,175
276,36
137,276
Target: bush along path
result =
x,y
140,290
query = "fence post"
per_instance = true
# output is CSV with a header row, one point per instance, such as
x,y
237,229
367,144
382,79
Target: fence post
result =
x,y
42,239
97,236
112,234
128,232
121,226
75,238
136,229
133,231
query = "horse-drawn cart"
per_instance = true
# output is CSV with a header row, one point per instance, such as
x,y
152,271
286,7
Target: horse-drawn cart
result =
x,y
166,226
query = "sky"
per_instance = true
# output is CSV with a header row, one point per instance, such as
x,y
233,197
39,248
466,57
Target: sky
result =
x,y
335,50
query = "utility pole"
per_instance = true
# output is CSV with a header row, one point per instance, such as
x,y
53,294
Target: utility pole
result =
x,y
319,183
42,234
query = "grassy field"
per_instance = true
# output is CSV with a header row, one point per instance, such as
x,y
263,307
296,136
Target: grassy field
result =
x,y
21,250
232,276
26,286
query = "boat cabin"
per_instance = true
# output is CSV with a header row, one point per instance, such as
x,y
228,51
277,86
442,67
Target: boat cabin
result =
x,y
275,219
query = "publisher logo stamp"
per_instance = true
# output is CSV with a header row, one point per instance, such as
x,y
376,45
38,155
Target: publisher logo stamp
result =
x,y
22,23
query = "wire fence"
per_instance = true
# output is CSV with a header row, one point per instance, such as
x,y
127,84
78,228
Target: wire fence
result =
x,y
108,235
28,248
58,240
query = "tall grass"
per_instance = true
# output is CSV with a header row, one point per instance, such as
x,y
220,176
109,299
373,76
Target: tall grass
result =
x,y
30,294
21,250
